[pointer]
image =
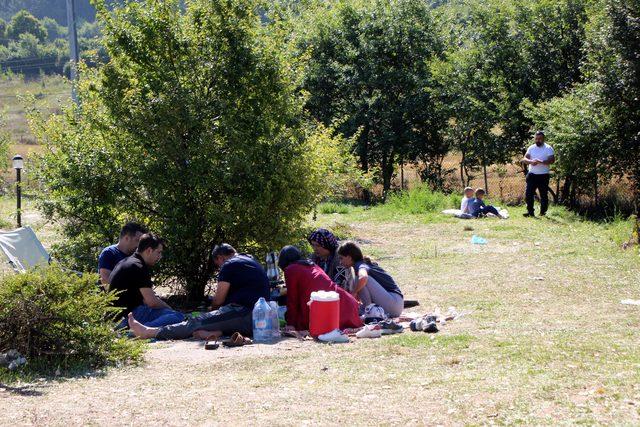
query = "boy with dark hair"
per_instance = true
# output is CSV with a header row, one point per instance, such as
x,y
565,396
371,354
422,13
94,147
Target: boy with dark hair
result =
x,y
132,279
479,209
241,282
111,255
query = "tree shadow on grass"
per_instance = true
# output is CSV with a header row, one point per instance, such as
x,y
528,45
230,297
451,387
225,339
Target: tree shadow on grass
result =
x,y
28,390
33,379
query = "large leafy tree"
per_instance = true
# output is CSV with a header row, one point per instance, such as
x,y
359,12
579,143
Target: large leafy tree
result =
x,y
368,72
25,23
193,126
614,62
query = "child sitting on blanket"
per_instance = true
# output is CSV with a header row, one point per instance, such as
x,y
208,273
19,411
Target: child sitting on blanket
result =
x,y
468,197
479,209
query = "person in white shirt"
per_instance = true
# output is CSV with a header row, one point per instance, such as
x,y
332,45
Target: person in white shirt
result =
x,y
468,197
539,157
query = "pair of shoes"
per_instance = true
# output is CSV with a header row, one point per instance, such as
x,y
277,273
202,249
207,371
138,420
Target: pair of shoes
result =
x,y
334,336
390,327
369,331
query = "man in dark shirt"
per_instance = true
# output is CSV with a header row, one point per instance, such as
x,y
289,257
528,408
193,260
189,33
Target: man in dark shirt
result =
x,y
131,278
241,282
112,255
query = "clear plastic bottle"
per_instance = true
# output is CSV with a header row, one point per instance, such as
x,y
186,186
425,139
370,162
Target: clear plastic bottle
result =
x,y
262,321
275,320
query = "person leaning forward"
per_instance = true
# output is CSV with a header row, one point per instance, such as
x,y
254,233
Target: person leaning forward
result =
x,y
131,278
241,282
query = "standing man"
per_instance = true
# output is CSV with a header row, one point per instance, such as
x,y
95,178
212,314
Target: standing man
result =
x,y
112,255
132,279
241,282
539,157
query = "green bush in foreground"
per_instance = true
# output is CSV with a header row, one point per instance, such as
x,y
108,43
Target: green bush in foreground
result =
x,y
52,317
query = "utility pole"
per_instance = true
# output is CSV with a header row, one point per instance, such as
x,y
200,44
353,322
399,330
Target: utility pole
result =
x,y
73,47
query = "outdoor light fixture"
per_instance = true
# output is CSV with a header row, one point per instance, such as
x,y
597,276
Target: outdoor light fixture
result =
x,y
18,164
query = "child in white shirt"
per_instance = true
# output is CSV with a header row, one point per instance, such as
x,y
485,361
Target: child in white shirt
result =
x,y
466,200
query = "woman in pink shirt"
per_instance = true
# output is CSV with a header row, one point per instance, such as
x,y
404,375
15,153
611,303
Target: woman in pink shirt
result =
x,y
303,277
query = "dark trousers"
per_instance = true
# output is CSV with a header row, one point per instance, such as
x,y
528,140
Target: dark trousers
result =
x,y
484,210
540,183
228,319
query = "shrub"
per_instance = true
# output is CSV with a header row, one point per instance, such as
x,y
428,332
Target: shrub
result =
x,y
55,316
420,200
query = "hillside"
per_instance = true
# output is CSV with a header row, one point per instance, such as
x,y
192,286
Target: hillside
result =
x,y
56,9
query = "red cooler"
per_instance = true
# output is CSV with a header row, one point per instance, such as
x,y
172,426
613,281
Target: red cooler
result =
x,y
324,312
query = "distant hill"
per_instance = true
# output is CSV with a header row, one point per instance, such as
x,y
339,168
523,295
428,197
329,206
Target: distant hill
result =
x,y
56,9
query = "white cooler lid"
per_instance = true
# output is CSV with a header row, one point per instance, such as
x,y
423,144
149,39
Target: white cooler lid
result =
x,y
324,296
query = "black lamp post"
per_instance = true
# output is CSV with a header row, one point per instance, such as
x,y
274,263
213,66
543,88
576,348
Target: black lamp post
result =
x,y
18,164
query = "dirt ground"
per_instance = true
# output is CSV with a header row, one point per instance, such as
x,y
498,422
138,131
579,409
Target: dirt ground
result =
x,y
547,342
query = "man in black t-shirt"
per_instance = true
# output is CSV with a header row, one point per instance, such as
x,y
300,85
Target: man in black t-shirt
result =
x,y
131,278
241,282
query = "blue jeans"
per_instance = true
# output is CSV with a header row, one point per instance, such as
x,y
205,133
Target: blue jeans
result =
x,y
227,319
156,317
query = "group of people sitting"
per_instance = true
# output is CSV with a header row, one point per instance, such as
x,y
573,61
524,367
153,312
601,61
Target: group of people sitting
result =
x,y
472,205
241,281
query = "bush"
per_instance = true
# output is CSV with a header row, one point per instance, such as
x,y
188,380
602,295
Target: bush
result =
x,y
332,207
420,200
50,315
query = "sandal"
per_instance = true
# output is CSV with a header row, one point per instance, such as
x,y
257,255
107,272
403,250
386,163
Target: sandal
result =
x,y
211,345
236,340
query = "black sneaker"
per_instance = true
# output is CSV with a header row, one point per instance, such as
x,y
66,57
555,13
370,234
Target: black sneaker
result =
x,y
543,213
528,215
390,327
430,327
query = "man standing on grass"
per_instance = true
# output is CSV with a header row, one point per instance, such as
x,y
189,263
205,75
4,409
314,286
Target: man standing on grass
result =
x,y
112,255
540,156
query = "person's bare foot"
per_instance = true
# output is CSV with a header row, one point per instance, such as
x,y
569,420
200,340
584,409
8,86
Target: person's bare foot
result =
x,y
139,330
207,335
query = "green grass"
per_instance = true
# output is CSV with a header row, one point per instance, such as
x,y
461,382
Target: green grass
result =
x,y
546,340
50,94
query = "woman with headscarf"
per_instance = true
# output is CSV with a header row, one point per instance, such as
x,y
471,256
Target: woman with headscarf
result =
x,y
325,244
303,277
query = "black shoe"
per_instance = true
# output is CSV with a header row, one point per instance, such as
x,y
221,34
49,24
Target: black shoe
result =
x,y
431,328
528,215
543,213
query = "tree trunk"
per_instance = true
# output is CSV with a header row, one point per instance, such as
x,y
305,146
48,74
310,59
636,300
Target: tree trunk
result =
x,y
486,182
387,173
402,175
462,170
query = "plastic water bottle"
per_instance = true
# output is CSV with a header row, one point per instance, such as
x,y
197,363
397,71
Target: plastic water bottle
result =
x,y
262,329
275,320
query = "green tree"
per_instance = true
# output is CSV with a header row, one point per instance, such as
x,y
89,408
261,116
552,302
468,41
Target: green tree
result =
x,y
3,31
54,30
578,127
614,62
195,127
25,23
367,72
